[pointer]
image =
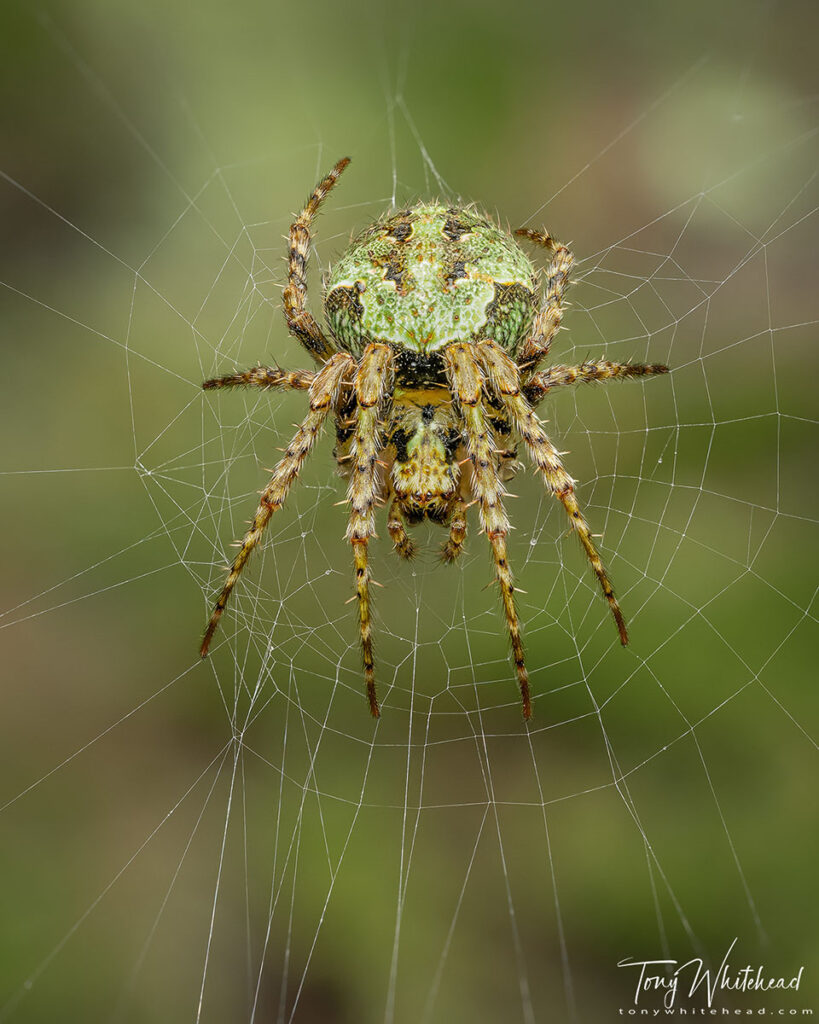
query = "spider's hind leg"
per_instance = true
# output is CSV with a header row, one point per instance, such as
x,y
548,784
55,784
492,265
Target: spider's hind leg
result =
x,y
550,317
299,319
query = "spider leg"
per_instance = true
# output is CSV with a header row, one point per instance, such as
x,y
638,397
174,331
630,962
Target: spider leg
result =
x,y
404,546
372,383
264,377
457,531
300,321
466,382
323,395
538,386
504,376
549,318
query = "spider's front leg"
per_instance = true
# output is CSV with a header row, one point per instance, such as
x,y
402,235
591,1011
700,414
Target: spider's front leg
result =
x,y
504,377
466,382
324,392
373,383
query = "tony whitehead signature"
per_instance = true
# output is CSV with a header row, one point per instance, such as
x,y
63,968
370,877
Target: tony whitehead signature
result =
x,y
670,976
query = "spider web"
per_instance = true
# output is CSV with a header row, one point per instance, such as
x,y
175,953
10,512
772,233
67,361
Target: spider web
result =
x,y
238,840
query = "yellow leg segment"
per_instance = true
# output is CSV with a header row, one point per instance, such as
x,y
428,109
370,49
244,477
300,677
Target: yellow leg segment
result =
x,y
323,395
466,381
504,377
372,384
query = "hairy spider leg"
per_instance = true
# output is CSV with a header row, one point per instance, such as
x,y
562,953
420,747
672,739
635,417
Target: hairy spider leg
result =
x,y
264,377
550,316
300,321
457,531
466,382
594,370
397,530
504,377
324,393
373,383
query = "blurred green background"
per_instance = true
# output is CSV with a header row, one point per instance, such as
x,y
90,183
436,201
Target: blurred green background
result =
x,y
236,840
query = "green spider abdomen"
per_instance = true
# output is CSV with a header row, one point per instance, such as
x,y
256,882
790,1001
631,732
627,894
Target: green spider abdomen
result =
x,y
429,276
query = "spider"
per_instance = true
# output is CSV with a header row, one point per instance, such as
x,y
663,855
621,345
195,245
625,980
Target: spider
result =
x,y
430,367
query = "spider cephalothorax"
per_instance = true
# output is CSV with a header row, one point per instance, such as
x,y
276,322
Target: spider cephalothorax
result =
x,y
432,372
